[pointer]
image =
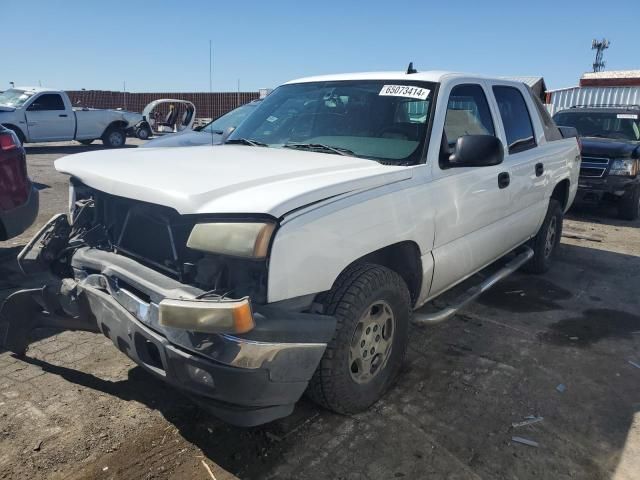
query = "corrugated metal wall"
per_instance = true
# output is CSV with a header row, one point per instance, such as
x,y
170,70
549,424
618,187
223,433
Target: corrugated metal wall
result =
x,y
568,97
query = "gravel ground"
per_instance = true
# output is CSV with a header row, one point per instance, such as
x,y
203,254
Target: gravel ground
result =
x,y
78,408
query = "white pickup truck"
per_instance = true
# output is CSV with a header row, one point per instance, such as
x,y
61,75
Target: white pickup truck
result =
x,y
293,257
44,115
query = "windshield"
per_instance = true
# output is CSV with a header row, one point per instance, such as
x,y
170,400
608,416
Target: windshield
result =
x,y
622,126
230,119
14,97
375,119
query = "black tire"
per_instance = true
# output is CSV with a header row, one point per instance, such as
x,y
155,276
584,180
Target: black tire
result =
x,y
354,297
86,142
545,243
629,206
143,133
114,137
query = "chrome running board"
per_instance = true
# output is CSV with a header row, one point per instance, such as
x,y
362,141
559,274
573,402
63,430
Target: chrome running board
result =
x,y
474,292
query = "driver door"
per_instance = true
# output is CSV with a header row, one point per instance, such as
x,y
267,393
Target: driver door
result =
x,y
48,120
471,222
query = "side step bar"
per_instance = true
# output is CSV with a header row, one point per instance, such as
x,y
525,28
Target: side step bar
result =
x,y
474,292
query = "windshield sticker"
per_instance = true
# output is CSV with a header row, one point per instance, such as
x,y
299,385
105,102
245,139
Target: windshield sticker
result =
x,y
271,119
632,116
405,91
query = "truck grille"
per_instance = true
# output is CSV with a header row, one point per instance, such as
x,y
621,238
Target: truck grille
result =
x,y
593,167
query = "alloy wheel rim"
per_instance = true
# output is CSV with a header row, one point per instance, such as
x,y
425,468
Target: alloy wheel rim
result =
x,y
371,342
551,237
115,138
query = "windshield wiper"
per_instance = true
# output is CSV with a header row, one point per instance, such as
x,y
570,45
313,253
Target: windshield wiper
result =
x,y
321,148
246,141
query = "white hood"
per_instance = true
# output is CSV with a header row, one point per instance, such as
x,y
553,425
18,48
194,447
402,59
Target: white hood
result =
x,y
228,178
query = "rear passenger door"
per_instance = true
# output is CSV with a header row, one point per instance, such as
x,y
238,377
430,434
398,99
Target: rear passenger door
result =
x,y
523,157
472,205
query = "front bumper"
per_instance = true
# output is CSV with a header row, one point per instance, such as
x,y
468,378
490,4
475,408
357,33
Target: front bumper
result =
x,y
20,218
594,190
245,379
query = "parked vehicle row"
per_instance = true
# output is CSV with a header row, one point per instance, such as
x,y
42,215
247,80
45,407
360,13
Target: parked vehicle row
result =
x,y
292,258
44,115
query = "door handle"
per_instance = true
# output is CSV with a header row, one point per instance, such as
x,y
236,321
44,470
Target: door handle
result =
x,y
504,180
63,115
539,169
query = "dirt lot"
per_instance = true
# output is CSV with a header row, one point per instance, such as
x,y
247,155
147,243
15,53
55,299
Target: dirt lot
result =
x,y
78,408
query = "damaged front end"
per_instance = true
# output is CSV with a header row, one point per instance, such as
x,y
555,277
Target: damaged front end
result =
x,y
187,304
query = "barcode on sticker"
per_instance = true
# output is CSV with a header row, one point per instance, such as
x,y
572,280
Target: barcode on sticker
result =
x,y
405,91
631,116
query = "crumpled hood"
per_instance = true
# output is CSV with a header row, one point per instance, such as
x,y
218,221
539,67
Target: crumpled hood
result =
x,y
609,147
227,178
186,138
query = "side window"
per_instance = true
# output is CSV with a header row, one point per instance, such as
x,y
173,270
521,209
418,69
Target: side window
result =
x,y
467,113
516,119
551,131
48,101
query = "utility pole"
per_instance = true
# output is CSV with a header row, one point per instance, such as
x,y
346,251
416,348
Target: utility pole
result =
x,y
600,46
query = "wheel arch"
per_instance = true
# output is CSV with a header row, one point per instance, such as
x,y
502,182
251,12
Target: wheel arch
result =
x,y
17,130
561,193
115,124
403,258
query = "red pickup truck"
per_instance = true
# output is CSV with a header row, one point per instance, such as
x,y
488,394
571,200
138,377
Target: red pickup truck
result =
x,y
18,197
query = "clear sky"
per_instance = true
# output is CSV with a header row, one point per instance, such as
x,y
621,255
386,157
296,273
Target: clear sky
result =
x,y
164,45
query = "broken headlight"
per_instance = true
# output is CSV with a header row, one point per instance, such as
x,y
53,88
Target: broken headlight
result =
x,y
239,239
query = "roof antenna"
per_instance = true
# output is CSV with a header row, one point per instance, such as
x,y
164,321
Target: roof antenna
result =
x,y
410,69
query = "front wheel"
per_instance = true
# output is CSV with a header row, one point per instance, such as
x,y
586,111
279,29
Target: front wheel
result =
x,y
629,207
114,137
545,243
372,306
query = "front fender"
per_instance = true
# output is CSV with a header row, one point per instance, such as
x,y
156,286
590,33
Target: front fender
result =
x,y
310,250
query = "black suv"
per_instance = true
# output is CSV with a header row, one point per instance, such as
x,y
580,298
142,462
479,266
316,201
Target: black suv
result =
x,y
610,136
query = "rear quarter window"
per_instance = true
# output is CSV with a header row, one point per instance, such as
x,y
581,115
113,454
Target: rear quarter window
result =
x,y
515,118
551,131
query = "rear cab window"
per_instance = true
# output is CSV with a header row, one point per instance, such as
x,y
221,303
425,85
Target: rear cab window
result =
x,y
516,119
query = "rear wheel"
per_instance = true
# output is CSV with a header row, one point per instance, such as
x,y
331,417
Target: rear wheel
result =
x,y
372,306
114,137
546,241
629,207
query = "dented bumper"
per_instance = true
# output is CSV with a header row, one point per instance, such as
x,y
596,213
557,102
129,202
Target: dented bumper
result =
x,y
245,379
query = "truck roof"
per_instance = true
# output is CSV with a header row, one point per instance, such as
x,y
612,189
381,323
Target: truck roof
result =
x,y
37,89
426,76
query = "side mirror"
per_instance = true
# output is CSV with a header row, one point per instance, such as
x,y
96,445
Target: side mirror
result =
x,y
34,107
227,131
568,132
198,128
477,151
